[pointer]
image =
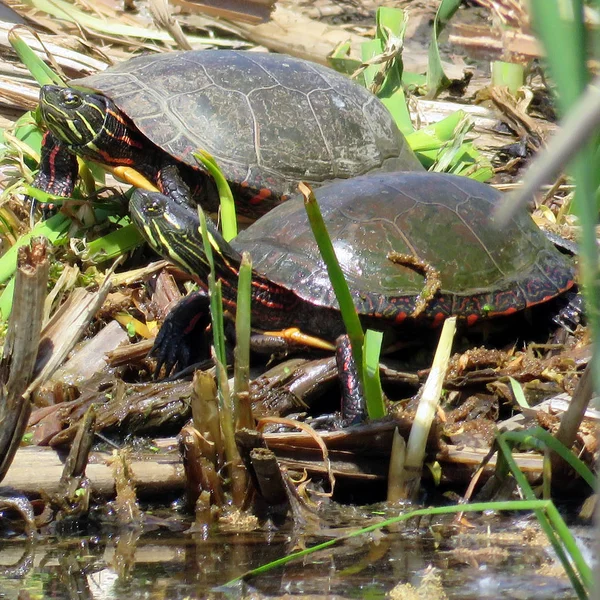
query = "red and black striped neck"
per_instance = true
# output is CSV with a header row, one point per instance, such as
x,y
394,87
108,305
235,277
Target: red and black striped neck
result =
x,y
174,231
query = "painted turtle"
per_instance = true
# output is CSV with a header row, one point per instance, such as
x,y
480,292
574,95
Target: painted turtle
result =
x,y
269,120
442,219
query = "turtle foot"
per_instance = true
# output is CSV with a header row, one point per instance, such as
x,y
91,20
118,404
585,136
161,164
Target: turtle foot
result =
x,y
181,338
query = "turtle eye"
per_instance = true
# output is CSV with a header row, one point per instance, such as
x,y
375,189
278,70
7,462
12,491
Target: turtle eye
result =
x,y
71,99
153,205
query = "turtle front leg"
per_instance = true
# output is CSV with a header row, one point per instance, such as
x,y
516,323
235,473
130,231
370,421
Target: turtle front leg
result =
x,y
58,168
171,183
181,336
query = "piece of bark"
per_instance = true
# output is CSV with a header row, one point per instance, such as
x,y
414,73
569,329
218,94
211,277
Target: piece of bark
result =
x,y
21,347
91,358
248,440
125,355
64,329
270,483
166,293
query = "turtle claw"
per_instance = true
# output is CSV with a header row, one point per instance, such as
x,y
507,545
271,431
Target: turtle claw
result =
x,y
179,341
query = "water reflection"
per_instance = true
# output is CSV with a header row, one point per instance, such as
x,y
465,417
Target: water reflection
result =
x,y
470,563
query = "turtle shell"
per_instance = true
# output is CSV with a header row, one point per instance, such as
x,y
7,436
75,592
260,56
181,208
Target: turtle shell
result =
x,y
445,220
269,120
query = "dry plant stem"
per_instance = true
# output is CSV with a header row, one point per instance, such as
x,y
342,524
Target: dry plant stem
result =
x,y
428,404
396,469
80,449
268,476
248,440
125,355
126,507
73,478
236,469
71,60
163,18
571,419
21,347
578,126
65,328
251,11
205,416
201,474
166,293
291,33
477,41
36,469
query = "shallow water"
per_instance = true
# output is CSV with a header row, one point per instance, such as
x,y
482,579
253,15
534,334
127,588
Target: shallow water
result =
x,y
481,559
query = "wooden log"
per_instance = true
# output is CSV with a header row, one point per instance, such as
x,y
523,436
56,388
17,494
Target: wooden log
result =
x,y
35,469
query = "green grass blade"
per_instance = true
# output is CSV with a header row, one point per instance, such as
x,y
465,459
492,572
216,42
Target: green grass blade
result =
x,y
564,20
338,282
69,12
518,505
228,217
226,412
540,439
462,159
6,299
53,229
372,383
243,327
386,78
518,393
506,74
577,581
369,49
436,78
40,71
114,244
565,535
340,59
216,307
27,131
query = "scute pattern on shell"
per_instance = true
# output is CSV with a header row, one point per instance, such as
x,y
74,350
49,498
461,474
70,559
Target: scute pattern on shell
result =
x,y
269,120
442,219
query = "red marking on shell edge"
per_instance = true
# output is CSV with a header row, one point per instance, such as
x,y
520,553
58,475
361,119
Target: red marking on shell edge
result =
x,y
400,317
471,319
263,194
439,319
509,311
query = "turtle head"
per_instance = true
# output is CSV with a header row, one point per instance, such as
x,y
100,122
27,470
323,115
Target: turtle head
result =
x,y
171,229
75,117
